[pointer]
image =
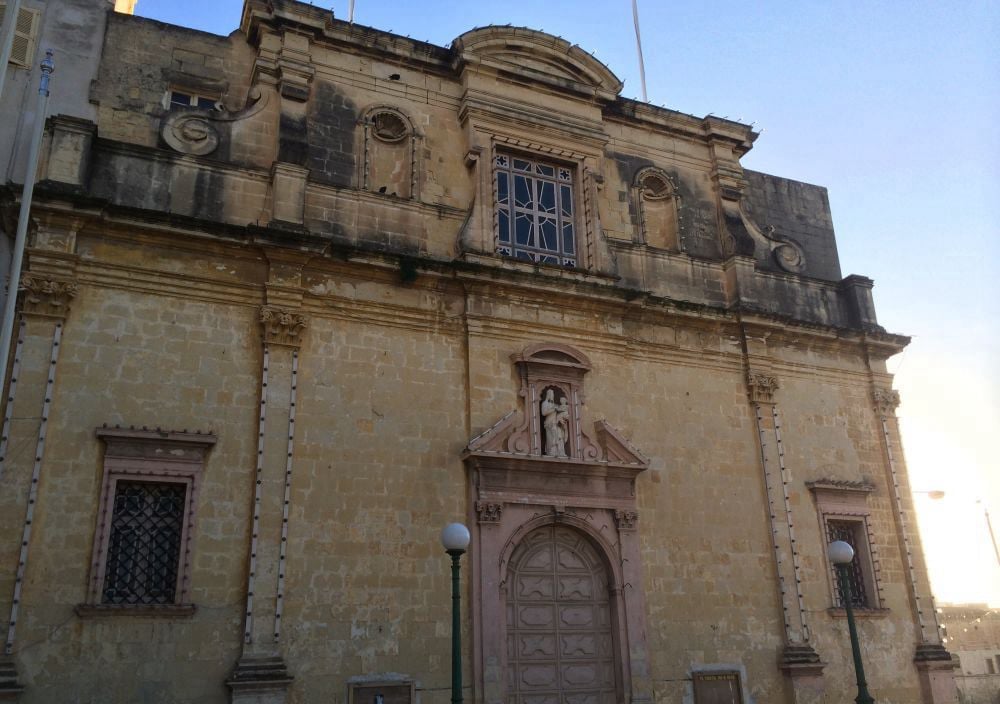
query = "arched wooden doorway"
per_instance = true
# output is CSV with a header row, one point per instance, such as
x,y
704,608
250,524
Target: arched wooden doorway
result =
x,y
560,647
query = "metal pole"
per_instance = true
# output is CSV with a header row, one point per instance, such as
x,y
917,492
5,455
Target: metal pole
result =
x,y
993,537
638,44
456,628
7,40
22,222
859,669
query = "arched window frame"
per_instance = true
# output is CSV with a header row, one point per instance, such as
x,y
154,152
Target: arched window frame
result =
x,y
370,137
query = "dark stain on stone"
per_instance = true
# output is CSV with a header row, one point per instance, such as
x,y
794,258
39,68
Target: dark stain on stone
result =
x,y
333,120
293,140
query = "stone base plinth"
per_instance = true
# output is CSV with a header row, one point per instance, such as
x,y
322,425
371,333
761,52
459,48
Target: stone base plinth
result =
x,y
259,680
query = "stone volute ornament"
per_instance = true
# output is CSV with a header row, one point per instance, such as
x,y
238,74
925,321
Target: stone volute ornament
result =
x,y
282,326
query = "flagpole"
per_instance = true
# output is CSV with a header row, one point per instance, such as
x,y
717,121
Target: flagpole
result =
x,y
638,44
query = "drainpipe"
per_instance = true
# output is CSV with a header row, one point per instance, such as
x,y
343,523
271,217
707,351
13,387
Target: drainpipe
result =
x,y
22,222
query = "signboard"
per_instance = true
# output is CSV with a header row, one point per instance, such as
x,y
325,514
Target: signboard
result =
x,y
717,688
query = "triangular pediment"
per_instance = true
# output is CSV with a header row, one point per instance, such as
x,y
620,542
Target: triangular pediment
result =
x,y
538,57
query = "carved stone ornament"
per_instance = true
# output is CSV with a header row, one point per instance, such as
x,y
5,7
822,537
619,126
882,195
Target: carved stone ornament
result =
x,y
552,422
47,296
282,326
388,126
489,512
626,520
195,131
886,401
762,387
786,252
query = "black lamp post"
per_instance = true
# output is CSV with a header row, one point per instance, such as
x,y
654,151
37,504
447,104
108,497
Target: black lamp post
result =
x,y
841,554
455,539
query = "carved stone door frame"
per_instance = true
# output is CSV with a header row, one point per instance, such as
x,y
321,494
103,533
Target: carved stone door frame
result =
x,y
514,495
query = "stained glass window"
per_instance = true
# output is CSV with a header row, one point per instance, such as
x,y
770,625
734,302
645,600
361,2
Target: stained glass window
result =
x,y
535,211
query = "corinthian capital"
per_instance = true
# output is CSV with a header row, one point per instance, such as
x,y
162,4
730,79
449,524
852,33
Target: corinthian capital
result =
x,y
886,401
282,326
761,387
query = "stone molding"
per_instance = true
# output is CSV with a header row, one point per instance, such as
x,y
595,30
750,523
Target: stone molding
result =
x,y
259,680
282,326
762,387
47,296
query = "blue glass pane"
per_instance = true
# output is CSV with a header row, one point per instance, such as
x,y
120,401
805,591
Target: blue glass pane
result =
x,y
503,192
569,245
521,165
521,254
523,230
522,192
503,226
206,103
566,201
545,170
546,197
547,235
546,259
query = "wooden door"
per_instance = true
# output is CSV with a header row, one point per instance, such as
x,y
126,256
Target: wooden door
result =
x,y
559,644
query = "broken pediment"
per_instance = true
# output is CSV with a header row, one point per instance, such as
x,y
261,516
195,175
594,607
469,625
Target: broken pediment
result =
x,y
536,56
551,425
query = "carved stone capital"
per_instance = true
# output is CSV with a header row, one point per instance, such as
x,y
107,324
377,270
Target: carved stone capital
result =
x,y
886,401
762,387
626,520
489,512
282,326
47,296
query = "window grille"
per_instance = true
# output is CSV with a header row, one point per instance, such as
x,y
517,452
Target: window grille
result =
x,y
145,543
189,100
535,211
848,532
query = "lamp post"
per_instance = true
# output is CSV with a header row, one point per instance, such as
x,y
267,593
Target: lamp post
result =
x,y
841,554
455,539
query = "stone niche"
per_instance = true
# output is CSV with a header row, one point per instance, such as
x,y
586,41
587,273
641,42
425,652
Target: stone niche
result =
x,y
558,605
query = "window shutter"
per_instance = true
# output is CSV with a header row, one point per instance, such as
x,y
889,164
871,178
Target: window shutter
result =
x,y
22,50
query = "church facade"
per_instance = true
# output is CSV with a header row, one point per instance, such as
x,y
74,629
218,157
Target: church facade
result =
x,y
302,295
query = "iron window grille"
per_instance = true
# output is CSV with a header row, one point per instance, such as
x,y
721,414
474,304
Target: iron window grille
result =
x,y
144,544
535,218
848,532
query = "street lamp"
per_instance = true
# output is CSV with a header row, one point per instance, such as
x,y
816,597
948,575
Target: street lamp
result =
x,y
841,554
455,539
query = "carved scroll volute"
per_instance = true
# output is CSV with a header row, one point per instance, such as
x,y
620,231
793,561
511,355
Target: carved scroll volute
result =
x,y
886,401
761,387
282,326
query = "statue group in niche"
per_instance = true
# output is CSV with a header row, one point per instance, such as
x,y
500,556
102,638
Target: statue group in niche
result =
x,y
556,423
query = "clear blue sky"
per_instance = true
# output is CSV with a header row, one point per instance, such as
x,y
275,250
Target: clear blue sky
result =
x,y
893,106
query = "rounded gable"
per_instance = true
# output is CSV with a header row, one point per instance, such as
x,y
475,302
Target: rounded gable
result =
x,y
538,56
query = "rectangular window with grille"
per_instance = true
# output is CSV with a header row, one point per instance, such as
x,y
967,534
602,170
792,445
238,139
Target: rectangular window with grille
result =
x,y
22,51
534,211
144,537
852,533
144,544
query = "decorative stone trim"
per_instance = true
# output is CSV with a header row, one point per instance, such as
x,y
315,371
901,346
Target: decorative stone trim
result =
x,y
282,326
931,652
761,387
626,520
886,401
47,297
130,610
489,512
